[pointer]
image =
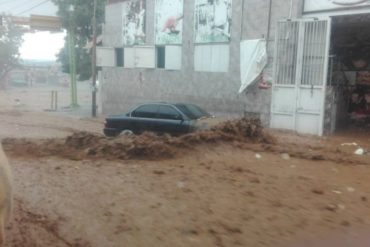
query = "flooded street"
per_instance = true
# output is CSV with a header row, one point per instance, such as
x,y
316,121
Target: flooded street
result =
x,y
296,191
185,123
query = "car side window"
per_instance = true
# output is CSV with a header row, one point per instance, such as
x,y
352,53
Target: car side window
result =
x,y
146,111
168,112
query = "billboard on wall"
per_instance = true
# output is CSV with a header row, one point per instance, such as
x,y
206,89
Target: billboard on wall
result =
x,y
169,16
328,5
134,13
212,20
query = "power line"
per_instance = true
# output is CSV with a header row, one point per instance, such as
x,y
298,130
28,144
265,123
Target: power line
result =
x,y
6,1
34,7
17,6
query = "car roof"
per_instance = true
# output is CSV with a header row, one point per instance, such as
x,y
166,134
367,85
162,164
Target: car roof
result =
x,y
167,103
163,103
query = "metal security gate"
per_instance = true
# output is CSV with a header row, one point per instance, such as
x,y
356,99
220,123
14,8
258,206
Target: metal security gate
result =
x,y
300,75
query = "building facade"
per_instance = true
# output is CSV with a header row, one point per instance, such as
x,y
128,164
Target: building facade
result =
x,y
190,51
203,71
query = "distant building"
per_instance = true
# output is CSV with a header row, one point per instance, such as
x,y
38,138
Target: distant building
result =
x,y
195,51
31,72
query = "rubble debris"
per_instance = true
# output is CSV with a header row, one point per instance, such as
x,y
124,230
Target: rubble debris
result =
x,y
360,151
285,156
331,207
149,146
349,144
318,191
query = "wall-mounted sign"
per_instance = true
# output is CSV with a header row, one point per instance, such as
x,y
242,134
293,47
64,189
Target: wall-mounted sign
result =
x,y
134,13
328,5
212,20
168,21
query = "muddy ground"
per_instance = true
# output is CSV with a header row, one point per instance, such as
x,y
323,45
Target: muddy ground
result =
x,y
286,191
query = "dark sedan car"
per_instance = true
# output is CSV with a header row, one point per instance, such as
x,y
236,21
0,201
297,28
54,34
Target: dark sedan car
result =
x,y
157,117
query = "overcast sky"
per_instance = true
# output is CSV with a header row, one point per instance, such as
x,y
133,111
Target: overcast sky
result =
x,y
28,7
40,45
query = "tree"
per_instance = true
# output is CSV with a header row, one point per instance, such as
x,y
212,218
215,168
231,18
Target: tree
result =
x,y
76,17
10,41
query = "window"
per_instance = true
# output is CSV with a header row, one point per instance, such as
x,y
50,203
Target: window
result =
x,y
139,57
212,58
146,111
168,112
169,57
192,111
119,57
161,57
105,57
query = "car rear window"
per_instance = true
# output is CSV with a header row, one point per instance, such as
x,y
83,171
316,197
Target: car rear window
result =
x,y
146,111
192,111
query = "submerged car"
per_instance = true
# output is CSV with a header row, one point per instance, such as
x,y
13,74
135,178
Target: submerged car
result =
x,y
169,118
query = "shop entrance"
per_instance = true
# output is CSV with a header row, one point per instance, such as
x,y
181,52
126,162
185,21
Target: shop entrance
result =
x,y
300,75
348,87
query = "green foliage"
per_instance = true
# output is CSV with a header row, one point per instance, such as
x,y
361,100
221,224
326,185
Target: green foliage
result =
x,y
79,18
10,41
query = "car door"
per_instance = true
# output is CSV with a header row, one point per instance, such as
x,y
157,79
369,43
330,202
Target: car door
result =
x,y
170,120
144,117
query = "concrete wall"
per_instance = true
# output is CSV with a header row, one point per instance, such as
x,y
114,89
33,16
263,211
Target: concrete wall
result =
x,y
255,26
217,92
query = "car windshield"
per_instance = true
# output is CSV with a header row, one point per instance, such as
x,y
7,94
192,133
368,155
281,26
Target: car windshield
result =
x,y
192,111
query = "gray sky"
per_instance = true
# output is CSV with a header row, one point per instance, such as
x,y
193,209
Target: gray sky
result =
x,y
39,45
28,7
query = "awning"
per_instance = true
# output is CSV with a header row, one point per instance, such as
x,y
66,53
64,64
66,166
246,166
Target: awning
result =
x,y
253,59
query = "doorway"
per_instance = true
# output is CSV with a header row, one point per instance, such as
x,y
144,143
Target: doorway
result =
x,y
348,86
300,75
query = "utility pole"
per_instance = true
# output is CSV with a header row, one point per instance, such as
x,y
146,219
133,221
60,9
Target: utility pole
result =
x,y
72,59
93,62
72,67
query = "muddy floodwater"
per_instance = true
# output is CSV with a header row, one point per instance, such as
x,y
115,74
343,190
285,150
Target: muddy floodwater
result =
x,y
235,185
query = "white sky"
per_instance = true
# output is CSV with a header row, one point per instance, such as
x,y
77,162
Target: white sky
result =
x,y
28,7
40,45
